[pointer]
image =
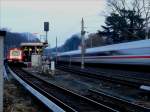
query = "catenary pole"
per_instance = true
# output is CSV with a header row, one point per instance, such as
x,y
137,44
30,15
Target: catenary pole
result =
x,y
82,44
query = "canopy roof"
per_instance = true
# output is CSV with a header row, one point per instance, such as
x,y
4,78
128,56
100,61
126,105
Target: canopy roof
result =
x,y
32,44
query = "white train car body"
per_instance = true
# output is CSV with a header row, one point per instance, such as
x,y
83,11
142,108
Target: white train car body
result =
x,y
135,53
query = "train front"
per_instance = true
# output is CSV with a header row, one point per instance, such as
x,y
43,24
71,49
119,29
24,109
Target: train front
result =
x,y
15,55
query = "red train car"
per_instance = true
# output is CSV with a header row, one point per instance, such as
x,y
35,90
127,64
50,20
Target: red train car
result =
x,y
23,54
15,55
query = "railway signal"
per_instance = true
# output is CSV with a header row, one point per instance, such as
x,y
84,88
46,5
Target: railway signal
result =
x,y
46,29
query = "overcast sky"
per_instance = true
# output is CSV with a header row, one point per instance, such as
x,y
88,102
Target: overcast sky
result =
x,y
64,16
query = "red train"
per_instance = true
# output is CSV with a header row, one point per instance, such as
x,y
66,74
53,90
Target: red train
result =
x,y
24,52
15,55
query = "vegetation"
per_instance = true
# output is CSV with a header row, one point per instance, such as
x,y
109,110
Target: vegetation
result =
x,y
95,40
13,40
127,20
71,43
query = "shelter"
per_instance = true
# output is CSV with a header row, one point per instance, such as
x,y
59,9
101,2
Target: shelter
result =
x,y
32,49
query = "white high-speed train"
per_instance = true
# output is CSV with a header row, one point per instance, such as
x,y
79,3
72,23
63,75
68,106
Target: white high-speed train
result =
x,y
130,53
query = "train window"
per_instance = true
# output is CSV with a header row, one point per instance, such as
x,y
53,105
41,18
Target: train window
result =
x,y
15,53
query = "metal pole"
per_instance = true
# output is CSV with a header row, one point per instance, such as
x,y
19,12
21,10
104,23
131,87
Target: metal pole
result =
x,y
46,38
56,50
82,44
28,36
70,62
91,42
49,53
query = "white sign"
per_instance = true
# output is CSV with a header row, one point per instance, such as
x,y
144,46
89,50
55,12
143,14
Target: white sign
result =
x,y
52,65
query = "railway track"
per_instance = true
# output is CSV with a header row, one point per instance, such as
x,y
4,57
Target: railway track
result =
x,y
104,75
67,100
116,102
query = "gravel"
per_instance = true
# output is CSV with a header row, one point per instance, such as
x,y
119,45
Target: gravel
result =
x,y
81,84
17,99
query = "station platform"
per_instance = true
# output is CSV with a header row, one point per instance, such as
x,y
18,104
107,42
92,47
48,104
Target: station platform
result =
x,y
2,36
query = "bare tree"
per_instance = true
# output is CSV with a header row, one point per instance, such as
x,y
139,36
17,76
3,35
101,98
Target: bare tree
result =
x,y
140,7
146,7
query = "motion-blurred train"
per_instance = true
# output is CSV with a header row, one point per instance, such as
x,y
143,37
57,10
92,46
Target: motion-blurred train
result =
x,y
130,53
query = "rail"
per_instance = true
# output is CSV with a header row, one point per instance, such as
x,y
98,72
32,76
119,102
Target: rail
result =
x,y
66,99
102,76
120,103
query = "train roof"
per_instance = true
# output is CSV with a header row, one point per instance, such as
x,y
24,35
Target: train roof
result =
x,y
15,48
120,46
31,44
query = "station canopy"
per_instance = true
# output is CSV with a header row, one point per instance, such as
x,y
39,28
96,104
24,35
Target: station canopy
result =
x,y
32,44
32,48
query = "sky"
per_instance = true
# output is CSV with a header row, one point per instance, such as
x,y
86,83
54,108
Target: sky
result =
x,y
64,17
